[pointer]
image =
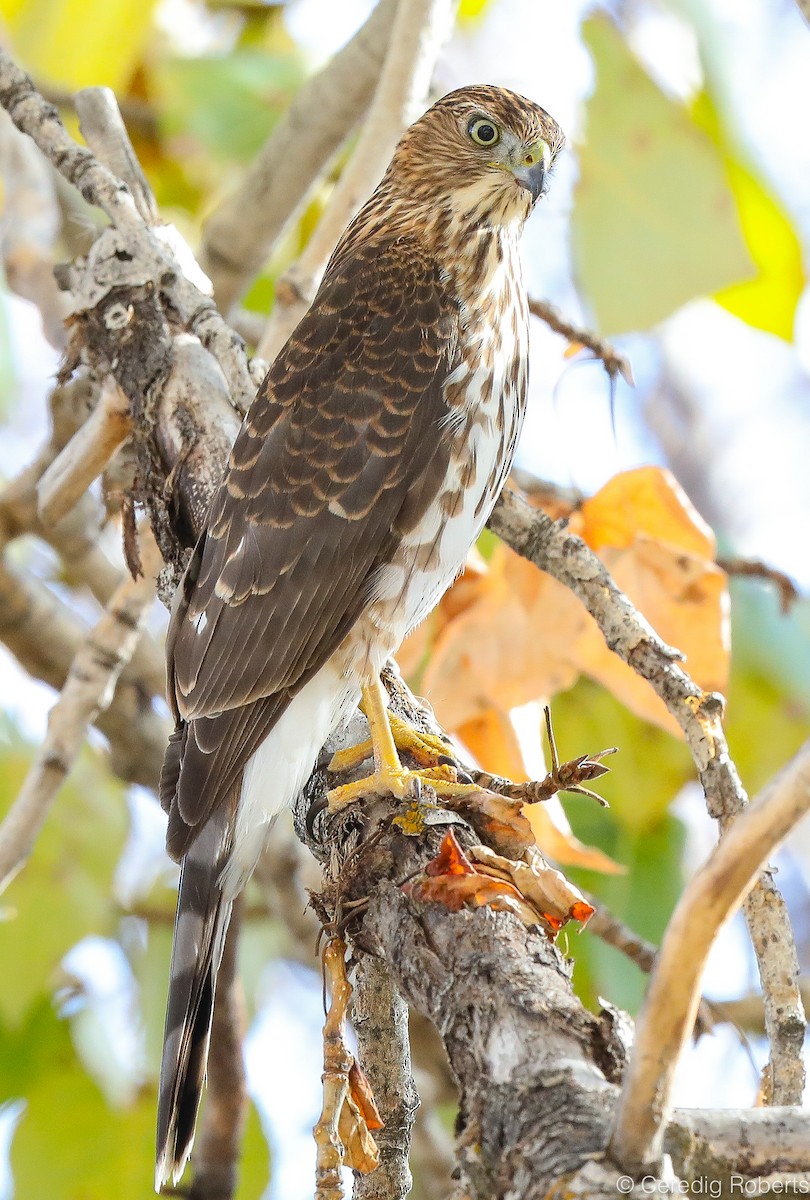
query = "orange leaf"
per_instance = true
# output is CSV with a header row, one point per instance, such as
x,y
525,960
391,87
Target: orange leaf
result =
x,y
361,1093
491,738
582,911
451,859
646,500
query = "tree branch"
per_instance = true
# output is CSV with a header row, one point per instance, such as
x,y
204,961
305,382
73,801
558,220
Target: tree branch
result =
x,y
380,1019
614,362
238,237
419,29
710,898
549,546
712,1143
86,455
88,689
136,733
151,257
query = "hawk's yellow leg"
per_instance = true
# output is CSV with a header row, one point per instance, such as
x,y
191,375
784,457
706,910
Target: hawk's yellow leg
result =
x,y
426,748
389,774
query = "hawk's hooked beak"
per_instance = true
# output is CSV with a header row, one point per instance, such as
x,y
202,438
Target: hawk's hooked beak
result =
x,y
531,172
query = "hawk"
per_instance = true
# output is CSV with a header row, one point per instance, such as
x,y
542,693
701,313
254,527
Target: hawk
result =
x,y
364,471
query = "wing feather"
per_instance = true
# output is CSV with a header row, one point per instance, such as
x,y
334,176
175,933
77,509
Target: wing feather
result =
x,y
346,435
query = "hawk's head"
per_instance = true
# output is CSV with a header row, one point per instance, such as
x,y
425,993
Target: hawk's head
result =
x,y
484,150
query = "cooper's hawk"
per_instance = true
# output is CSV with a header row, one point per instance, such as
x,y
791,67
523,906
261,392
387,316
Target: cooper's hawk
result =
x,y
365,470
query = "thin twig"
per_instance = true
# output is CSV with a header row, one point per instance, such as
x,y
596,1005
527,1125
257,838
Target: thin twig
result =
x,y
555,550
755,568
238,237
709,900
100,187
88,689
747,1013
614,362
104,131
86,454
419,29
605,925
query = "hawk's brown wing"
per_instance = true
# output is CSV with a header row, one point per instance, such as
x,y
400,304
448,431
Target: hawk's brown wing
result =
x,y
342,451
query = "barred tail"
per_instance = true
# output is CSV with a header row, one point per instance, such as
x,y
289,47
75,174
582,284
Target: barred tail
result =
x,y
199,935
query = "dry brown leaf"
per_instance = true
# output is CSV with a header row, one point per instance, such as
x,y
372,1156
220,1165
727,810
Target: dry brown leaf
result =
x,y
360,1149
530,889
510,826
452,880
499,820
546,889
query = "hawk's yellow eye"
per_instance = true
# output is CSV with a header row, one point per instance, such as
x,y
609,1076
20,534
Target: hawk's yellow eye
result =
x,y
484,132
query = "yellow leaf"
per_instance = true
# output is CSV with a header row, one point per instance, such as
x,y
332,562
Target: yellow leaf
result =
x,y
470,11
79,43
769,300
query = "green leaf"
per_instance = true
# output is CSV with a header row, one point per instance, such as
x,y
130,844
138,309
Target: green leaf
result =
x,y
254,1163
655,222
644,899
227,104
69,1144
64,892
768,702
645,776
768,301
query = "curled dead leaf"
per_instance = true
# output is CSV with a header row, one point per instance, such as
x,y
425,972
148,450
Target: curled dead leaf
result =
x,y
359,1148
531,890
540,884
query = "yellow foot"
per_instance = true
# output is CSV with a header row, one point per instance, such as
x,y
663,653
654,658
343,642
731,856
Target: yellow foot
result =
x,y
427,749
401,784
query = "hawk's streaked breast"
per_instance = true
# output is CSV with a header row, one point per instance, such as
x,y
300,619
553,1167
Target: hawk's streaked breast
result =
x,y
486,398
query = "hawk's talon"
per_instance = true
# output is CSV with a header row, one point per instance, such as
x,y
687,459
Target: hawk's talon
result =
x,y
313,812
400,785
428,749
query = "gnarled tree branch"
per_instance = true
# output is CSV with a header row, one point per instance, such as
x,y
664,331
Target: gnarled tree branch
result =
x,y
552,548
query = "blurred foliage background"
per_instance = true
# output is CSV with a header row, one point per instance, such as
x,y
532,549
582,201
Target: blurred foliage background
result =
x,y
678,225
